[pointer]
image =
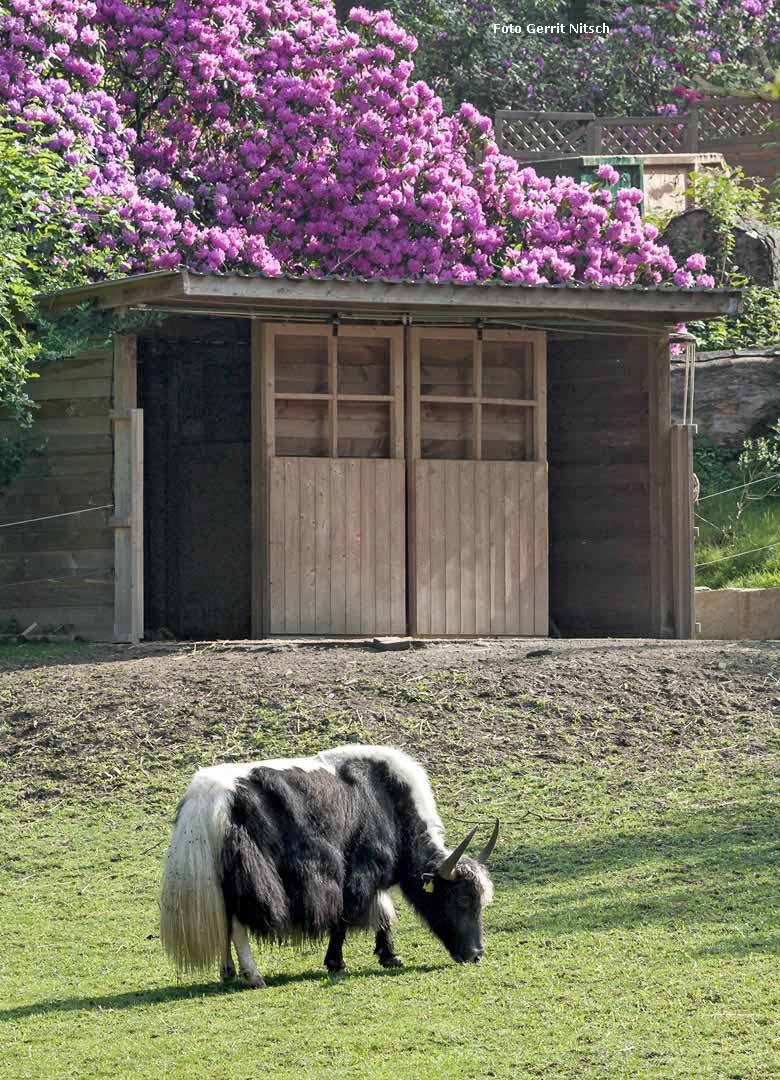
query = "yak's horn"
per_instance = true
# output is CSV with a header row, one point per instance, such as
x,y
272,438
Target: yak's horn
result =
x,y
447,869
487,850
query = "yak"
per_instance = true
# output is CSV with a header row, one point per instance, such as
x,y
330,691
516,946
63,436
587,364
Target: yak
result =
x,y
306,848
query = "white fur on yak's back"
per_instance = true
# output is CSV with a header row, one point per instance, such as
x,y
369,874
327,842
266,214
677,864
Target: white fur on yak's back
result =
x,y
193,924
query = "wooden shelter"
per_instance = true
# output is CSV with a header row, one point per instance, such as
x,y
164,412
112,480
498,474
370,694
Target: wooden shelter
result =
x,y
340,457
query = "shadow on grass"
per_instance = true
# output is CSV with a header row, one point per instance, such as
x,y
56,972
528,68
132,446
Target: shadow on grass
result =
x,y
716,865
160,995
749,945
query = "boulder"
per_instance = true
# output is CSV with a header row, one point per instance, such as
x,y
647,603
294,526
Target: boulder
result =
x,y
756,245
735,394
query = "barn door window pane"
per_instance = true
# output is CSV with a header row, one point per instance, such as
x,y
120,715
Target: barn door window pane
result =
x,y
302,428
507,433
446,430
301,364
364,366
446,367
363,429
507,370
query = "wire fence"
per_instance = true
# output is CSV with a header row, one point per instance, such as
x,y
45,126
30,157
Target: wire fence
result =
x,y
79,574
738,487
51,517
739,554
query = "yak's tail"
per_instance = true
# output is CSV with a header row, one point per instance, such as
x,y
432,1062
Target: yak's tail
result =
x,y
193,923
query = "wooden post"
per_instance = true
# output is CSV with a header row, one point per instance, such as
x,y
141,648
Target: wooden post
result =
x,y
540,395
692,131
262,439
683,592
659,420
412,357
128,433
594,136
397,391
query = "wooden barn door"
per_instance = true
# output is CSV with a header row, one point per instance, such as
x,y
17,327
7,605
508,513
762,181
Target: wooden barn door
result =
x,y
478,477
334,506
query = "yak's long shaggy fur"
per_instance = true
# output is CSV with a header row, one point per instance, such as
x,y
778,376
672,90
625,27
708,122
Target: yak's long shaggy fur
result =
x,y
293,849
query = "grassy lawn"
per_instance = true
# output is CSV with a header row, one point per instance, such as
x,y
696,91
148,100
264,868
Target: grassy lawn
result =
x,y
634,932
758,527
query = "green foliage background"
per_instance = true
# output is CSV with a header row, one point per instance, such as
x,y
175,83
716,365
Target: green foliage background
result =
x,y
39,251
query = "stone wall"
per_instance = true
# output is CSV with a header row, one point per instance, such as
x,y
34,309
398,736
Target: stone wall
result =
x,y
736,393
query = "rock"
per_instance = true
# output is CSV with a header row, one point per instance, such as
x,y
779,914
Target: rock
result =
x,y
735,396
395,644
756,245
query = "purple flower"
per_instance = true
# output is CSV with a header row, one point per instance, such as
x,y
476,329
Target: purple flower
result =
x,y
608,174
696,262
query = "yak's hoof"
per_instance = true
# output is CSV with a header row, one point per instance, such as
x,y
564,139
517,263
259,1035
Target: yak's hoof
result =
x,y
226,973
336,969
391,961
256,981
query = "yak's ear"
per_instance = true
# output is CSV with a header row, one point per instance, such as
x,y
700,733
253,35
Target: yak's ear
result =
x,y
487,850
446,869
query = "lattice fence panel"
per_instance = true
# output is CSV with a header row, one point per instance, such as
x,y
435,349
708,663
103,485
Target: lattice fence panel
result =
x,y
643,136
527,135
733,118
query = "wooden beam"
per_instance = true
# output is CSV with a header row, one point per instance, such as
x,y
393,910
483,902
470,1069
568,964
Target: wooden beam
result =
x,y
682,530
540,394
127,425
412,381
263,410
476,386
333,380
659,420
397,390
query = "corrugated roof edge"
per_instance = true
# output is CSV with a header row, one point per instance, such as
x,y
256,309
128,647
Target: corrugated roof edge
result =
x,y
492,283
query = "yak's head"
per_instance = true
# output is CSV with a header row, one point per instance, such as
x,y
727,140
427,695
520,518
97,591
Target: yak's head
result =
x,y
453,897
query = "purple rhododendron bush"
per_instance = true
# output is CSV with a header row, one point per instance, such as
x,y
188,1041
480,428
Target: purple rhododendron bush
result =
x,y
258,135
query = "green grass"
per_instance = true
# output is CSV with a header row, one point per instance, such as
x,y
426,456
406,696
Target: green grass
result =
x,y
634,938
758,527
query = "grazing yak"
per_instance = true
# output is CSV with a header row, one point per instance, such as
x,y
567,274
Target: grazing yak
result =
x,y
298,849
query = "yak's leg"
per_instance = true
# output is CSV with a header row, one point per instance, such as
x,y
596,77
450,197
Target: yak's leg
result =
x,y
334,957
385,949
227,969
246,961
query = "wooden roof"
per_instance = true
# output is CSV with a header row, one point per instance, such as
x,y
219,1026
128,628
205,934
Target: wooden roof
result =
x,y
187,292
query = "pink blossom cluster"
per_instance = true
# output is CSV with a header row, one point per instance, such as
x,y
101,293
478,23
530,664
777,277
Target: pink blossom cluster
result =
x,y
259,135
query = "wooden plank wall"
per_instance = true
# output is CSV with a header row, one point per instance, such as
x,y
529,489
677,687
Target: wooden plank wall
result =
x,y
481,547
336,553
598,450
64,566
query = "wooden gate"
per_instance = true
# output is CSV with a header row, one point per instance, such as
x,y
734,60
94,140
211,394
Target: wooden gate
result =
x,y
333,510
478,480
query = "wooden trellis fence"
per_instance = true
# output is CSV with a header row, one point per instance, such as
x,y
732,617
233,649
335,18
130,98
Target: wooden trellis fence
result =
x,y
735,127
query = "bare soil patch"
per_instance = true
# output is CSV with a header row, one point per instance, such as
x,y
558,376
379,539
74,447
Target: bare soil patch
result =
x,y
96,718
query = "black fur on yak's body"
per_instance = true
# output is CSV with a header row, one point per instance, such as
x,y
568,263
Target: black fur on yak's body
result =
x,y
306,849
310,850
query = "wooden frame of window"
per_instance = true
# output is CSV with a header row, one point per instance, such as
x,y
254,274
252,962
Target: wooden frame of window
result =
x,y
536,363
